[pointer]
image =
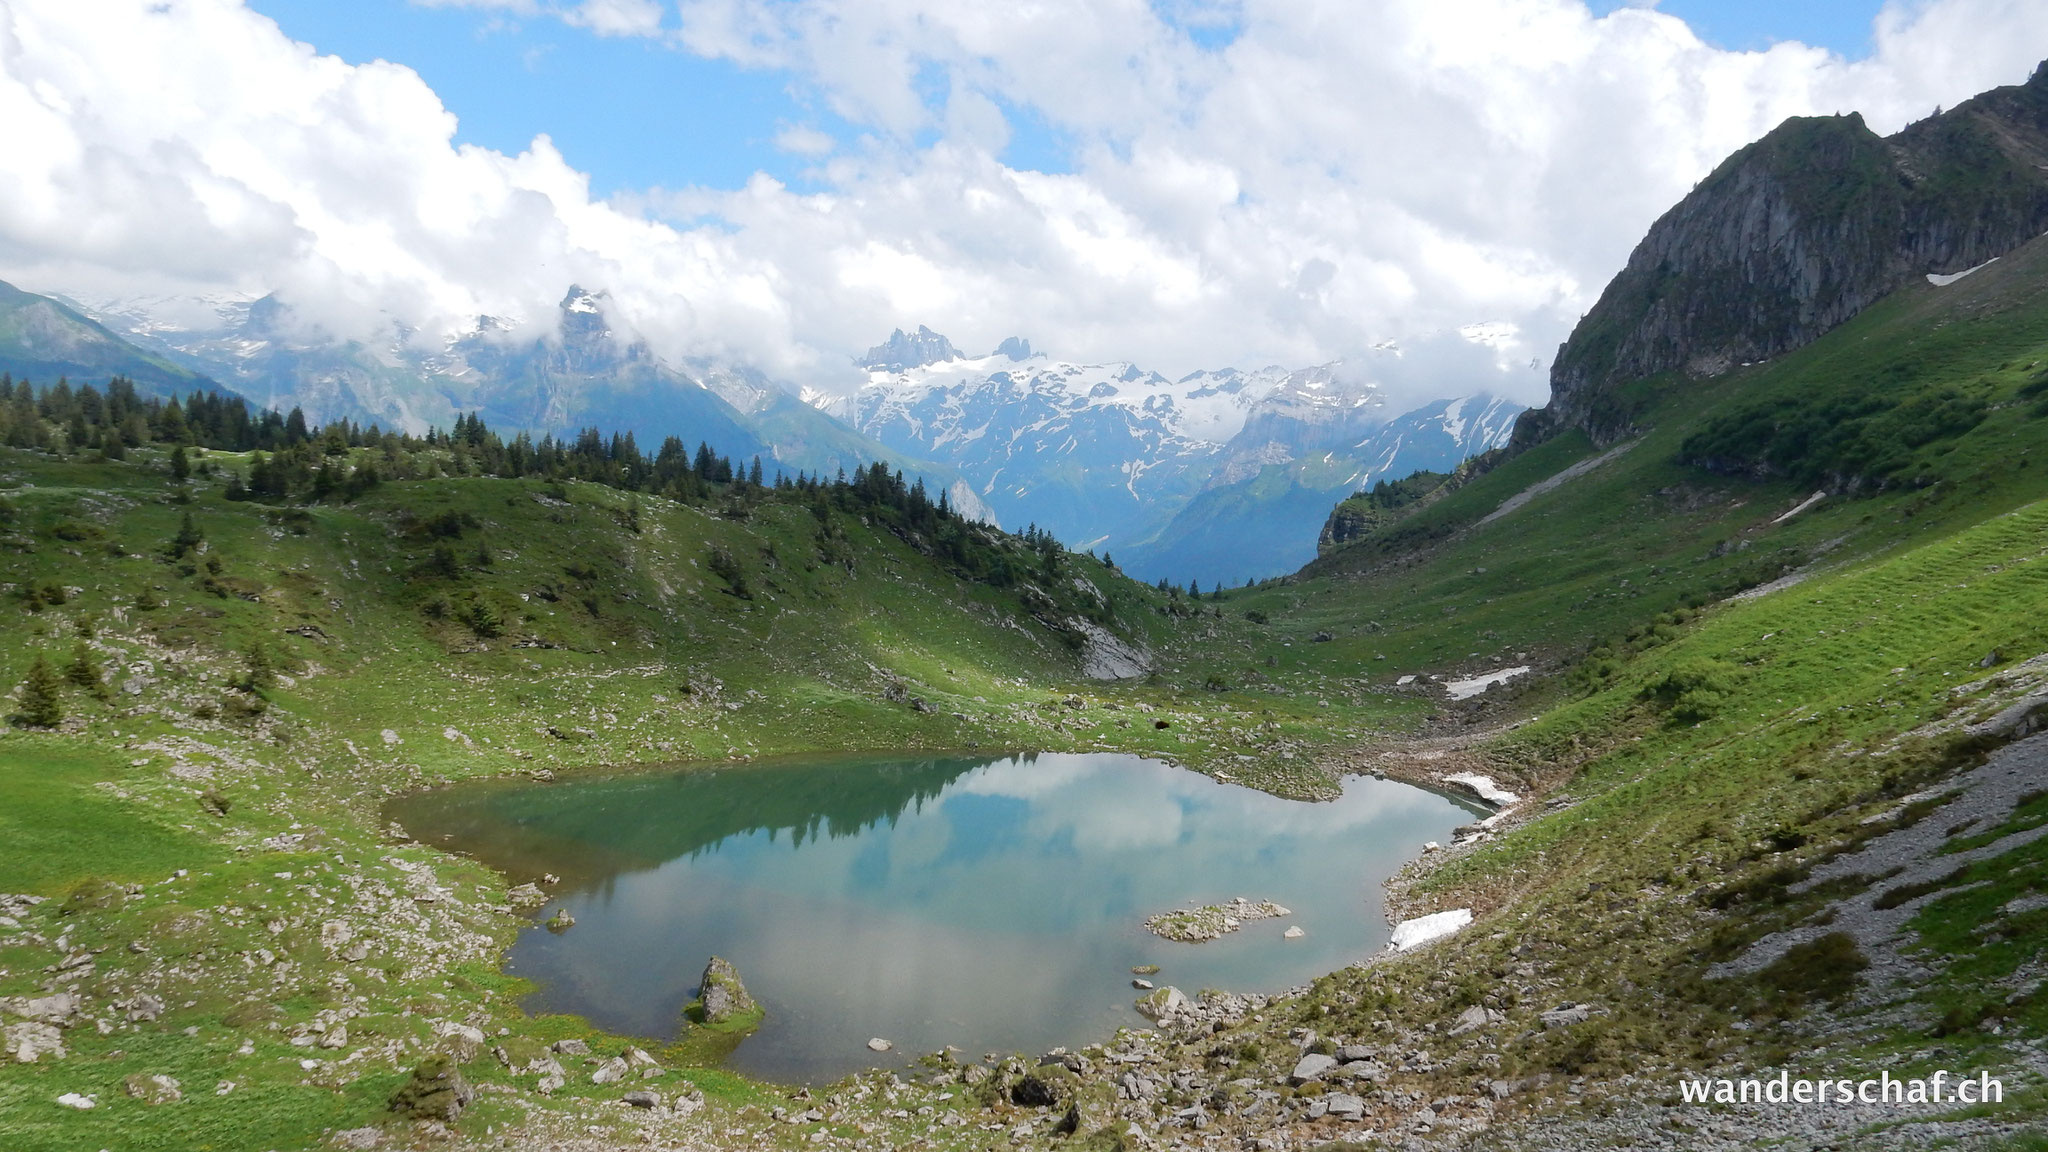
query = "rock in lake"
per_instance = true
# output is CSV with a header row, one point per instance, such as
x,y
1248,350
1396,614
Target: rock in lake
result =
x,y
723,996
1160,1003
879,1045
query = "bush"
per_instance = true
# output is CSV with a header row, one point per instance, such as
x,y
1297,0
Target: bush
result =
x,y
1827,968
1695,690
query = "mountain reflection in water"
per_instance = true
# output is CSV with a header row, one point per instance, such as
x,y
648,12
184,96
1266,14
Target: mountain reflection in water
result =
x,y
990,904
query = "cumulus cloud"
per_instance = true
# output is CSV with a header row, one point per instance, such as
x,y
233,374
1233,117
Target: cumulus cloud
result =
x,y
1252,182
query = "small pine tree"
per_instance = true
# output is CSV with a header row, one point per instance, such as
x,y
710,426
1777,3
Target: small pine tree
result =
x,y
188,538
84,670
258,674
181,468
40,706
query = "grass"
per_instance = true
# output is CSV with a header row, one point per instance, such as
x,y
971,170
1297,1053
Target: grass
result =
x,y
65,818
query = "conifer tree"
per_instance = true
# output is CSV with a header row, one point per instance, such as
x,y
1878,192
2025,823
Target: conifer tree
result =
x,y
258,675
188,538
40,707
84,670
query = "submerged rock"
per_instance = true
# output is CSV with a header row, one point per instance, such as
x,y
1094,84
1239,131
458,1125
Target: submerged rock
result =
x,y
723,996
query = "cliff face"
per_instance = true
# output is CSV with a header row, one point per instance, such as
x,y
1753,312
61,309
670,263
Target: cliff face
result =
x,y
1795,234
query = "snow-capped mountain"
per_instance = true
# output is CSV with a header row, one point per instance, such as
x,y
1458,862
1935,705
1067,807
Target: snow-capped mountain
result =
x,y
583,373
1266,521
1113,457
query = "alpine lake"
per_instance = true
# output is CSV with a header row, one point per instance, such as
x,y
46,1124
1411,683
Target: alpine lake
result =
x,y
988,904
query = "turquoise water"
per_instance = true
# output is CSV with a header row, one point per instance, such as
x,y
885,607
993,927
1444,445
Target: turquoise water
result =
x,y
987,904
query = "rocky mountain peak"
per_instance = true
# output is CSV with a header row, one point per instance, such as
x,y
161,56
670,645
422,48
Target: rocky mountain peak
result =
x,y
1797,233
901,351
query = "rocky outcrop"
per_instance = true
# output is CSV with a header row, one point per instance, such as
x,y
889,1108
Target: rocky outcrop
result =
x,y
1797,233
723,996
436,1091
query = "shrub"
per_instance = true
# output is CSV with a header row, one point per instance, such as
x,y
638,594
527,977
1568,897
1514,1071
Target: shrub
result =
x,y
1695,690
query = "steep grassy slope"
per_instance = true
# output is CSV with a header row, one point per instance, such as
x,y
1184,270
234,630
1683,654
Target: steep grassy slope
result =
x,y
1692,510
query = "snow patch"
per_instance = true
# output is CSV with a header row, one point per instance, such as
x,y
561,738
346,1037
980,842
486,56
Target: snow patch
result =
x,y
1484,788
1941,280
1412,934
1809,502
1461,689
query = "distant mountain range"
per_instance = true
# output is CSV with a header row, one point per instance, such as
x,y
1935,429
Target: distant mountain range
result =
x,y
1219,475
586,375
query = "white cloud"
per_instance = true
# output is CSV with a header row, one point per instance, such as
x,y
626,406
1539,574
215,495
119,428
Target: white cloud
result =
x,y
802,140
604,17
1335,175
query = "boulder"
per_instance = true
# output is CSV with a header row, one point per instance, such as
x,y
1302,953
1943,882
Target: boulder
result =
x,y
1161,1003
155,1088
610,1072
54,1009
879,1045
722,994
462,1041
436,1091
1345,1106
1311,1067
643,1099
1034,1092
1350,1052
1565,1015
1471,1020
29,1043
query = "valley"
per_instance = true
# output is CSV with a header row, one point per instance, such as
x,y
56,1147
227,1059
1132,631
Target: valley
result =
x,y
1702,717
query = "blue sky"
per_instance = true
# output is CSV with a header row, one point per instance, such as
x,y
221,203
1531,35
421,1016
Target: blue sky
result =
x,y
639,113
